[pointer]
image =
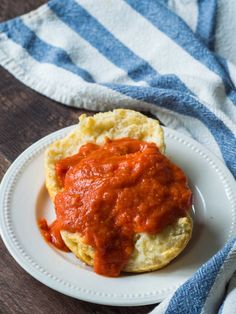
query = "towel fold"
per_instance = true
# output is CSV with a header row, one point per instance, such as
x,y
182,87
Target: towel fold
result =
x,y
175,59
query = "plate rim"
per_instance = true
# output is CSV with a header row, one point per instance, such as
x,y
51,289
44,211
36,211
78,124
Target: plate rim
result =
x,y
14,171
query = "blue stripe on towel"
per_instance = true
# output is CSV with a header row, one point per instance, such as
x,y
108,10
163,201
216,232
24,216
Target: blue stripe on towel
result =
x,y
206,21
174,27
91,30
77,18
231,92
40,50
194,292
232,96
44,52
186,105
206,30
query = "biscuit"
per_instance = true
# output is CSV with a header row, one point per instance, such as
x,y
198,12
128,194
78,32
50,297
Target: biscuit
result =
x,y
114,124
151,252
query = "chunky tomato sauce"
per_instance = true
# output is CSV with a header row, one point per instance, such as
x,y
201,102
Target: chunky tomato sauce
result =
x,y
113,191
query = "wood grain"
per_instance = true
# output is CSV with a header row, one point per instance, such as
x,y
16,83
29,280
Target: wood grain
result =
x,y
26,116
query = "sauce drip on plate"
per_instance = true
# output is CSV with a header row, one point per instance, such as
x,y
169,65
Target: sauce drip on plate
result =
x,y
113,191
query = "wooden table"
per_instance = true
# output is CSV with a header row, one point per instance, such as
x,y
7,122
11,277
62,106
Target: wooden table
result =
x,y
25,117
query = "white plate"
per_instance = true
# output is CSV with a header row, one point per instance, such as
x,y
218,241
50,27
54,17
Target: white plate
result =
x,y
23,199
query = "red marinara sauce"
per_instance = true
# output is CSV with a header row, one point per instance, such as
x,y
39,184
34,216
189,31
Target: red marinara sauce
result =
x,y
113,191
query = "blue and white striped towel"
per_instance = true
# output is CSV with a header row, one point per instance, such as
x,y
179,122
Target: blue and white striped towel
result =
x,y
173,58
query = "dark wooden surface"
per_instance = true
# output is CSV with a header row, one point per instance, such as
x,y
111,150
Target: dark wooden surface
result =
x,y
25,117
